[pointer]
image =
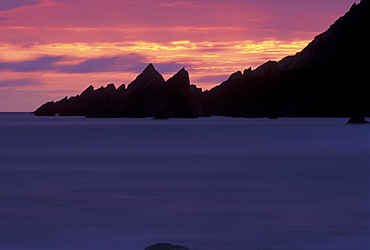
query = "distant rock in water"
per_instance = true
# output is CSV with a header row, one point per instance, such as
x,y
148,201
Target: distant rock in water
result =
x,y
357,119
326,79
165,246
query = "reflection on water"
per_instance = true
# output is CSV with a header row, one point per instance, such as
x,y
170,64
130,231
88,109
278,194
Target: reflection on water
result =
x,y
209,183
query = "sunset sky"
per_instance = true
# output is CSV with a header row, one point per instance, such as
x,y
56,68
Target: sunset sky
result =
x,y
50,49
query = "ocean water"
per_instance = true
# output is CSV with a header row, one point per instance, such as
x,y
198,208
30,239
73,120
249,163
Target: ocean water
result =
x,y
207,183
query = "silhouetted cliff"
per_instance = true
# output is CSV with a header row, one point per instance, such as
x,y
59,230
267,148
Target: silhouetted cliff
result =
x,y
149,95
328,78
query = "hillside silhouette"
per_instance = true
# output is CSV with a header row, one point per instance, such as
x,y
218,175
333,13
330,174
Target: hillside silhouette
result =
x,y
327,78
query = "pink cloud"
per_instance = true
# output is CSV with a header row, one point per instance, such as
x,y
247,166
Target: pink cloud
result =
x,y
97,20
119,38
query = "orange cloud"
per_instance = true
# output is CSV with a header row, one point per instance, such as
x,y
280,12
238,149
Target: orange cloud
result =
x,y
53,47
218,54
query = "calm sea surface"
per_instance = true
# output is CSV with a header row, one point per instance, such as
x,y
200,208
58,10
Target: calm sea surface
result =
x,y
208,183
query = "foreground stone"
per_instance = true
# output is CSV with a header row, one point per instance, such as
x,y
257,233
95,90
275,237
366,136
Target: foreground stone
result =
x,y
165,246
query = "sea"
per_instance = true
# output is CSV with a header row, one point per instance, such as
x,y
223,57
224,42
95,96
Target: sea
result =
x,y
214,183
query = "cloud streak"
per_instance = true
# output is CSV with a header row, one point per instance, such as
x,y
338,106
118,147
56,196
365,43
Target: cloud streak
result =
x,y
40,64
17,83
60,64
15,4
200,58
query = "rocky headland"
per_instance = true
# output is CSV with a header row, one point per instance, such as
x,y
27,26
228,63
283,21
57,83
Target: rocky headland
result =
x,y
328,78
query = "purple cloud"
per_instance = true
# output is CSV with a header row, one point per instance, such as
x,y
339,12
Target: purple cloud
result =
x,y
90,65
49,63
40,64
17,83
14,4
130,62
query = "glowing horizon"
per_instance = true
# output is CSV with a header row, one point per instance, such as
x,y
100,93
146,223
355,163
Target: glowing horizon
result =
x,y
53,48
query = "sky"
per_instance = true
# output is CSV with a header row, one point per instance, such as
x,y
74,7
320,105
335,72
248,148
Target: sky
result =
x,y
50,49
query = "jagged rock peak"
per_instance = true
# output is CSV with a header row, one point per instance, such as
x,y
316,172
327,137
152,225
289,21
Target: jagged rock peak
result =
x,y
195,89
89,89
108,88
181,76
235,76
150,78
248,72
343,37
122,87
111,86
149,68
266,68
182,71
